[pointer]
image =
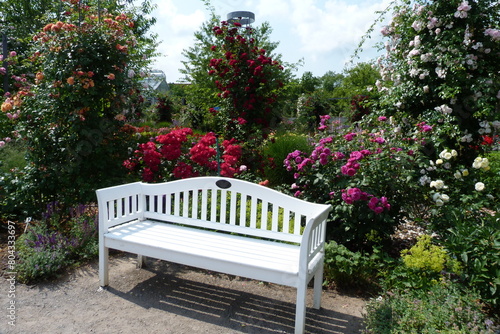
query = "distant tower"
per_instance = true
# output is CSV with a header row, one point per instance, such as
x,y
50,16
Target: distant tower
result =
x,y
245,18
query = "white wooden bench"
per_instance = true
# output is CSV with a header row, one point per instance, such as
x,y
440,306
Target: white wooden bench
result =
x,y
220,224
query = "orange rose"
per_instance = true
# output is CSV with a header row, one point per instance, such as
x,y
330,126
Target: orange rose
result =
x,y
111,76
71,81
264,183
39,76
6,106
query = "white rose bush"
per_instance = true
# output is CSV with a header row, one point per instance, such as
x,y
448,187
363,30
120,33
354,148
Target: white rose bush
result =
x,y
442,67
441,70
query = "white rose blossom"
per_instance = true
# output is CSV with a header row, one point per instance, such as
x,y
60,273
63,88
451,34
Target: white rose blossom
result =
x,y
438,184
440,199
479,186
481,163
444,109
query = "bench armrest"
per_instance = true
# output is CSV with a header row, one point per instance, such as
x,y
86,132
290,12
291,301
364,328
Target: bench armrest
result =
x,y
119,204
313,241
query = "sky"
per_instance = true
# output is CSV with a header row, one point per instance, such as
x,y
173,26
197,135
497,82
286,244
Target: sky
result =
x,y
323,33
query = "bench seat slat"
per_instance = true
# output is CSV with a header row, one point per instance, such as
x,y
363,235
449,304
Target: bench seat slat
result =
x,y
268,255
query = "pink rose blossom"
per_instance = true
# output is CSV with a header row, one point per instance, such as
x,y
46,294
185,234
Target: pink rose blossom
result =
x,y
350,136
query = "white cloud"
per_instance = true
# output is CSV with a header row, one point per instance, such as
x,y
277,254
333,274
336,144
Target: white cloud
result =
x,y
175,31
323,32
337,25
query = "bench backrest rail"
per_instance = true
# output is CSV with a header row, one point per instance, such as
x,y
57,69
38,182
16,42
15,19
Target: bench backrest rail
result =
x,y
230,205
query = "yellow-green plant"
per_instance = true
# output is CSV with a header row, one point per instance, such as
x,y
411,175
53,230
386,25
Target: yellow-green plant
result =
x,y
425,256
423,265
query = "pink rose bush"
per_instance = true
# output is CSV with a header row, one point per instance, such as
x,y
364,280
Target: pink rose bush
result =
x,y
181,154
366,172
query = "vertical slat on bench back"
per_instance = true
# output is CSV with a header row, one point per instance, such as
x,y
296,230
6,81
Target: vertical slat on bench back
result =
x,y
228,204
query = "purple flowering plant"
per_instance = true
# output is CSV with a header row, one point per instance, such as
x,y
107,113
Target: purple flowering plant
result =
x,y
60,238
367,172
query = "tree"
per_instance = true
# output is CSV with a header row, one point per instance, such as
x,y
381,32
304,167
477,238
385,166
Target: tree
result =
x,y
356,88
309,83
331,81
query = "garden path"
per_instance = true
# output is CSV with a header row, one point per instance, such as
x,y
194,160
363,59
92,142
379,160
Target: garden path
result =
x,y
168,298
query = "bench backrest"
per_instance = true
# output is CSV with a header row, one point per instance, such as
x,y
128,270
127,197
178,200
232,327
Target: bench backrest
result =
x,y
218,203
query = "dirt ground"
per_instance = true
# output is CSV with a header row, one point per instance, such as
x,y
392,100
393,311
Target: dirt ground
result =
x,y
167,298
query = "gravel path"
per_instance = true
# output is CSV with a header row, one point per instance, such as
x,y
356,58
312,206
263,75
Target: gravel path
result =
x,y
167,298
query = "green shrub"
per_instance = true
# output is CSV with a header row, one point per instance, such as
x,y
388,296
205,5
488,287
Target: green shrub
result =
x,y
347,269
72,108
443,308
475,241
12,162
42,253
276,151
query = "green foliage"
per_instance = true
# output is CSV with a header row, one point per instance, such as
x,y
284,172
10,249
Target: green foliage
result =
x,y
59,240
330,81
12,162
454,183
12,157
309,83
165,108
357,81
22,18
310,106
492,178
443,308
348,269
475,241
425,256
275,150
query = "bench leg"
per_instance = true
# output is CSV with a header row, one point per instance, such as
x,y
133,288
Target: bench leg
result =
x,y
300,309
103,266
140,261
318,287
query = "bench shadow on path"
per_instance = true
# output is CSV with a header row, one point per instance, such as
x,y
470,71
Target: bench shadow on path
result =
x,y
234,309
